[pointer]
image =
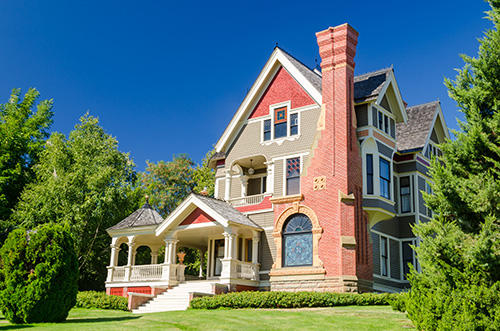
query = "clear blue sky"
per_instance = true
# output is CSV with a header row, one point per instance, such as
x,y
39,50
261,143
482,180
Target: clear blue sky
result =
x,y
165,77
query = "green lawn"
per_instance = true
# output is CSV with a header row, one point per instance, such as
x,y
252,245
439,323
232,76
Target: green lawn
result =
x,y
337,318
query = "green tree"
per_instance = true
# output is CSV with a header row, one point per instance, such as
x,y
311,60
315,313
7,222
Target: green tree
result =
x,y
458,286
168,183
39,274
204,176
23,132
86,182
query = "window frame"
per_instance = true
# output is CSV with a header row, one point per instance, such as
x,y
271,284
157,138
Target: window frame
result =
x,y
383,179
384,258
408,195
286,189
369,174
271,119
285,235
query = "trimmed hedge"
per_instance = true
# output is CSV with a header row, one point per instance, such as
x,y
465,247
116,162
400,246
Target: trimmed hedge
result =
x,y
100,300
237,300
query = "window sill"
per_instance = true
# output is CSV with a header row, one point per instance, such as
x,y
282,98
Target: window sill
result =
x,y
279,141
287,199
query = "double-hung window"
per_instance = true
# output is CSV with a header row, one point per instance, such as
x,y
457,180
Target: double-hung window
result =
x,y
384,256
369,173
294,124
280,122
293,176
385,178
405,194
267,130
383,122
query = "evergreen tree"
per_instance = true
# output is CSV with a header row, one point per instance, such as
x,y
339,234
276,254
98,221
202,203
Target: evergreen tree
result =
x,y
458,286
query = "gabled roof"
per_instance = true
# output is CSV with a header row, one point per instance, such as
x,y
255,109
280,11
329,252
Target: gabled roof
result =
x,y
412,136
368,86
221,211
145,216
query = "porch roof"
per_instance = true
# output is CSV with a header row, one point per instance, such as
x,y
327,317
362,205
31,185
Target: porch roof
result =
x,y
221,211
144,216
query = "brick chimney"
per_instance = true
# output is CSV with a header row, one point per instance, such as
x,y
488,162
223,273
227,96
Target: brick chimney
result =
x,y
336,163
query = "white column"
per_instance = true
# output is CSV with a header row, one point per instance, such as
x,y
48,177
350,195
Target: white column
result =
x,y
226,245
202,257
235,245
255,250
174,251
134,253
244,186
115,249
270,177
154,256
130,259
227,193
168,249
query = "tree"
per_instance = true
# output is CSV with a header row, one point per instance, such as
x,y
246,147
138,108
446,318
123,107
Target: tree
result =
x,y
39,274
86,182
204,177
23,132
458,286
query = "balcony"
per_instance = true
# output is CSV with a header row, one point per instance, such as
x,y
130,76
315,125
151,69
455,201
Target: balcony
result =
x,y
247,201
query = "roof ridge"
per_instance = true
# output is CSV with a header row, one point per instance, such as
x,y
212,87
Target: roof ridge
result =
x,y
299,61
424,104
375,72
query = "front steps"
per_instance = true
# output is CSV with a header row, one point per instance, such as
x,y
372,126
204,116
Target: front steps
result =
x,y
174,299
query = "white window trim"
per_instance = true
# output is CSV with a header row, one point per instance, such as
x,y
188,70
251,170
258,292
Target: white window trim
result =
x,y
270,117
301,161
391,178
375,125
412,200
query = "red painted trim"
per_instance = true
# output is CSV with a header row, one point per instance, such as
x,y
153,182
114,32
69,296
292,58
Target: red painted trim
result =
x,y
265,204
197,216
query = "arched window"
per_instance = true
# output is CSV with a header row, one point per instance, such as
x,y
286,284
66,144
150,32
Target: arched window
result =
x,y
297,241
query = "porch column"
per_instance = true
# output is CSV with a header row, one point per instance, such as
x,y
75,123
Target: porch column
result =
x,y
255,249
131,253
227,193
202,258
235,245
115,249
134,253
170,246
270,177
154,256
226,245
244,186
174,251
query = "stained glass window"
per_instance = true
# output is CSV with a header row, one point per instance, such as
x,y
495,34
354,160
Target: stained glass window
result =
x,y
297,241
280,122
293,176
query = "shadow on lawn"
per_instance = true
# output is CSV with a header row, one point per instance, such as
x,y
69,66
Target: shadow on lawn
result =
x,y
99,320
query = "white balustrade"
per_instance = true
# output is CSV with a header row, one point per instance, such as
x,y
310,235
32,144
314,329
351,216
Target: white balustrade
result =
x,y
118,274
247,270
246,201
146,272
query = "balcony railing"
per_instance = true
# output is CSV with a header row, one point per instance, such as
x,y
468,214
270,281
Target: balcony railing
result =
x,y
247,270
146,272
246,201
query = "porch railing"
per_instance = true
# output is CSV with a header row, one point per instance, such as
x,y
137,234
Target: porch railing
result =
x,y
119,274
246,201
146,272
247,270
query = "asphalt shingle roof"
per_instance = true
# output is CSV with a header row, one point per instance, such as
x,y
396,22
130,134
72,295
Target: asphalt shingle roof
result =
x,y
413,135
144,216
227,211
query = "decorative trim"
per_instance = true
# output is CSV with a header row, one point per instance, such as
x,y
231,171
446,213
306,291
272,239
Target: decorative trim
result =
x,y
317,230
287,199
344,197
296,271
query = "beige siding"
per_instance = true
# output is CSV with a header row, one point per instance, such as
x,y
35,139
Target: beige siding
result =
x,y
267,250
265,220
221,189
235,187
248,143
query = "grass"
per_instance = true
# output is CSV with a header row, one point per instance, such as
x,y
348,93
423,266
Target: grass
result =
x,y
336,318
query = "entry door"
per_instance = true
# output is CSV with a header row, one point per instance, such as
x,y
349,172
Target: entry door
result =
x,y
218,256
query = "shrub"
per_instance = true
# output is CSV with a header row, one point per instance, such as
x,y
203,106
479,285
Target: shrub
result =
x,y
289,300
38,278
100,300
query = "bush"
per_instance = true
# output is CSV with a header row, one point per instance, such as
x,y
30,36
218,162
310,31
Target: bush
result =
x,y
398,302
289,300
100,300
39,273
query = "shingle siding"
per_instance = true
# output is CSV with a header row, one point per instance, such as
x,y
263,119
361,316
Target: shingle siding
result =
x,y
384,150
362,115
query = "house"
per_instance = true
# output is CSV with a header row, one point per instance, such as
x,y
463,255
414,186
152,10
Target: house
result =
x,y
319,177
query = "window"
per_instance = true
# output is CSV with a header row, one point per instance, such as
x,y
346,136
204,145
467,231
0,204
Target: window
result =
x,y
248,250
404,191
267,130
428,190
369,173
383,122
256,186
293,176
384,257
385,178
294,124
407,257
280,122
297,241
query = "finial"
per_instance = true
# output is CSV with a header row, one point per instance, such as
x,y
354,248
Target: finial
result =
x,y
147,198
276,44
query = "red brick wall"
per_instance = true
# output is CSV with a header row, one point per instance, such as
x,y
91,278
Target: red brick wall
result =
x,y
282,88
337,157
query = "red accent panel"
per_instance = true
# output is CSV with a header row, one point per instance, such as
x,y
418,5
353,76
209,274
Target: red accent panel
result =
x,y
115,291
197,216
265,204
406,157
140,289
282,88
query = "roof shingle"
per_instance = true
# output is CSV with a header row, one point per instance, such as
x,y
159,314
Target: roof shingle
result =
x,y
144,216
413,135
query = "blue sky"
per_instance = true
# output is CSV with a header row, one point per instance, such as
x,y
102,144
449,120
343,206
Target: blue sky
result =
x,y
166,77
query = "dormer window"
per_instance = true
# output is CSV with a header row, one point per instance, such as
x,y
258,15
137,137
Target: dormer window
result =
x,y
383,122
281,125
432,150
